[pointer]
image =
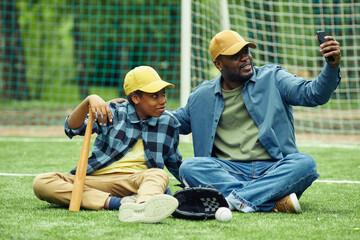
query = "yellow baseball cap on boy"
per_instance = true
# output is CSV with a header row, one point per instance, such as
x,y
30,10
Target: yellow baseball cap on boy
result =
x,y
144,78
227,42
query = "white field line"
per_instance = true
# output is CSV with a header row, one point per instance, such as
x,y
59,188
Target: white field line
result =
x,y
319,181
65,139
336,181
18,175
40,139
329,145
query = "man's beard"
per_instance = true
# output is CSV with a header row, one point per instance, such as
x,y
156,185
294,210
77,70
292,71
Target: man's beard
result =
x,y
241,78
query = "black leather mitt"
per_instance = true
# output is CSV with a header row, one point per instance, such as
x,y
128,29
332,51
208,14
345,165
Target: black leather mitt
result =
x,y
198,203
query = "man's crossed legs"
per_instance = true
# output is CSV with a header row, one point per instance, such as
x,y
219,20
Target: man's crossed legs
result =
x,y
254,186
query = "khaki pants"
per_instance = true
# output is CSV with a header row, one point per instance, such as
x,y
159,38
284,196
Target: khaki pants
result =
x,y
57,187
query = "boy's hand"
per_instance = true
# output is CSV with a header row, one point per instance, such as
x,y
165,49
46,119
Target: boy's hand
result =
x,y
100,110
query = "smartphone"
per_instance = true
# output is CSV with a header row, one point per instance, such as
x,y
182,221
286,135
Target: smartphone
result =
x,y
321,35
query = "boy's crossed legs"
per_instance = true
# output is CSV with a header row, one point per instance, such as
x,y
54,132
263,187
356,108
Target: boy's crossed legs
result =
x,y
99,189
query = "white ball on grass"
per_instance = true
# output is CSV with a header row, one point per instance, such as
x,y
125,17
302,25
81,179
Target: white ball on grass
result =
x,y
223,214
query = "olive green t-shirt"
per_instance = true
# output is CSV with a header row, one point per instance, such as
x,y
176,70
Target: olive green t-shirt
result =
x,y
236,135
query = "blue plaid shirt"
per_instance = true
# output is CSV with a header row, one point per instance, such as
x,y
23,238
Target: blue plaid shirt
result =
x,y
160,137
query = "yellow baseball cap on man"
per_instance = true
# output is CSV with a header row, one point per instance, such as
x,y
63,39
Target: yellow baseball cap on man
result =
x,y
144,78
227,42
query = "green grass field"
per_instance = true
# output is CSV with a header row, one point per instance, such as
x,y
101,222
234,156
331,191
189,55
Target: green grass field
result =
x,y
330,210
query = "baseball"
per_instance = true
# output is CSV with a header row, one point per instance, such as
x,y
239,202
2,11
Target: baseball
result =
x,y
223,214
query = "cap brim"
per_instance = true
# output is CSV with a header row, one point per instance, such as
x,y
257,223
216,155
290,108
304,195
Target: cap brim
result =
x,y
237,47
156,86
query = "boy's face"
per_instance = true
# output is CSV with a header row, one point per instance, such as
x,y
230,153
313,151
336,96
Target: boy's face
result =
x,y
150,104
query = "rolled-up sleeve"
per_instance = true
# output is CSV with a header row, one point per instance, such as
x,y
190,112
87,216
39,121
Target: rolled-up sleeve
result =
x,y
81,130
73,132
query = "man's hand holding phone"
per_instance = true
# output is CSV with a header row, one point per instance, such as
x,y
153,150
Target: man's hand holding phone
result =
x,y
330,48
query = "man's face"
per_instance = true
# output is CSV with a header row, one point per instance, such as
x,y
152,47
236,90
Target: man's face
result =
x,y
238,67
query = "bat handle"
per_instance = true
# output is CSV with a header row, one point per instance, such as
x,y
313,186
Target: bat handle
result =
x,y
78,187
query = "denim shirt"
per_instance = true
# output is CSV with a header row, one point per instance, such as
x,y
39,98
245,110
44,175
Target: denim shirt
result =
x,y
160,137
268,96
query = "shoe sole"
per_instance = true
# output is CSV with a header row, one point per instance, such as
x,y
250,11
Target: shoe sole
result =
x,y
295,203
154,210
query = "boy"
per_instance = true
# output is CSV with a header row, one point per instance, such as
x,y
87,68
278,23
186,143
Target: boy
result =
x,y
134,142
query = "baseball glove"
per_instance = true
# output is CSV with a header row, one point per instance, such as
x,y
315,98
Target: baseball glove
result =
x,y
198,203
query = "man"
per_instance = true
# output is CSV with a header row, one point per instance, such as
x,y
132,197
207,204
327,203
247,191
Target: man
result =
x,y
243,128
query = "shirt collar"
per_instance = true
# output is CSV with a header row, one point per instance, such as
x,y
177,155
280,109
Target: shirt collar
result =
x,y
218,85
134,118
253,77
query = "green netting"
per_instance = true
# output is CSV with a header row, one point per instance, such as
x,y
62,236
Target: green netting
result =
x,y
54,53
285,33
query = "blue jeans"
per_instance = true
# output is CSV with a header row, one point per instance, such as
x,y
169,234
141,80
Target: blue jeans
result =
x,y
252,186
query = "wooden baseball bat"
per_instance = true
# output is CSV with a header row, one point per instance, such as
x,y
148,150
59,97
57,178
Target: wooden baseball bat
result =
x,y
81,169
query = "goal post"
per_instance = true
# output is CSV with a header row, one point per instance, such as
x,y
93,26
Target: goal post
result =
x,y
186,44
185,52
224,13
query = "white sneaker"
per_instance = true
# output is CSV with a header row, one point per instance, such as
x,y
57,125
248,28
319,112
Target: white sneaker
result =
x,y
154,210
128,199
